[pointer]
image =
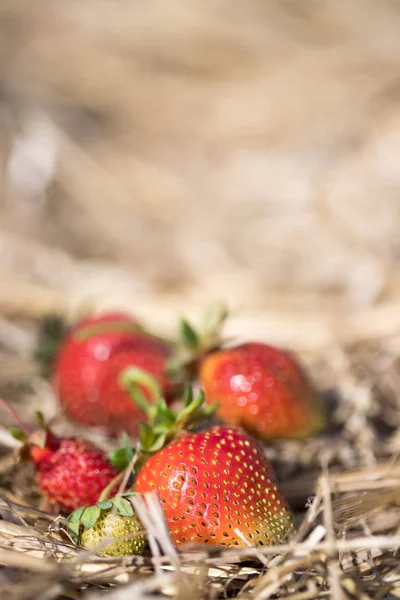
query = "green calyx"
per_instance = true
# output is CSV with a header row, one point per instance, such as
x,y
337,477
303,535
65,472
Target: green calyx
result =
x,y
52,331
87,516
208,336
122,457
194,344
163,424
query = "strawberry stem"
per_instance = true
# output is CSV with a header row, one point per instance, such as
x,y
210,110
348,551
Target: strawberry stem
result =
x,y
13,413
164,424
133,379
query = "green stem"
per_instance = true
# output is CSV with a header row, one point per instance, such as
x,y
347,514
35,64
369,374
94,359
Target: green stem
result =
x,y
132,378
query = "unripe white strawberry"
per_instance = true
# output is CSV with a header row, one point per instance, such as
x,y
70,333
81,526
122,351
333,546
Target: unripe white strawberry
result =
x,y
110,527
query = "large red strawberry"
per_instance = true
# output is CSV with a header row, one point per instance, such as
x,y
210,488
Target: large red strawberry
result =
x,y
214,482
262,389
89,362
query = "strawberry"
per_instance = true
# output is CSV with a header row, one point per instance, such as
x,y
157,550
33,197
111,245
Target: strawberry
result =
x,y
263,390
70,471
87,367
213,482
94,526
122,414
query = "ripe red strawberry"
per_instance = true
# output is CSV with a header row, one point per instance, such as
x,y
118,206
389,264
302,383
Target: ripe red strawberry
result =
x,y
263,390
71,472
88,364
211,483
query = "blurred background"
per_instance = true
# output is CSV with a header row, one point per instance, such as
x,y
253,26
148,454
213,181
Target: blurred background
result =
x,y
157,155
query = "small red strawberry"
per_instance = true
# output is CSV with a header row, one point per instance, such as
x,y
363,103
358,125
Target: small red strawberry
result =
x,y
213,482
263,390
88,364
71,472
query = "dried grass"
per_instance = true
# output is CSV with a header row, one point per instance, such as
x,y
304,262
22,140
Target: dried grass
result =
x,y
201,149
332,554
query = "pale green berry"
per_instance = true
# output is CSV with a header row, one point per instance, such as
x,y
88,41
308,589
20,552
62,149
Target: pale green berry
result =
x,y
112,525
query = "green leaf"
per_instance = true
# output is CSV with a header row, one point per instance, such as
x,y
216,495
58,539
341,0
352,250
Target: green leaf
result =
x,y
123,506
188,396
128,446
76,515
74,530
119,459
51,333
90,516
210,409
188,335
74,522
18,434
105,504
191,408
164,415
129,494
158,442
159,429
162,406
147,436
40,419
